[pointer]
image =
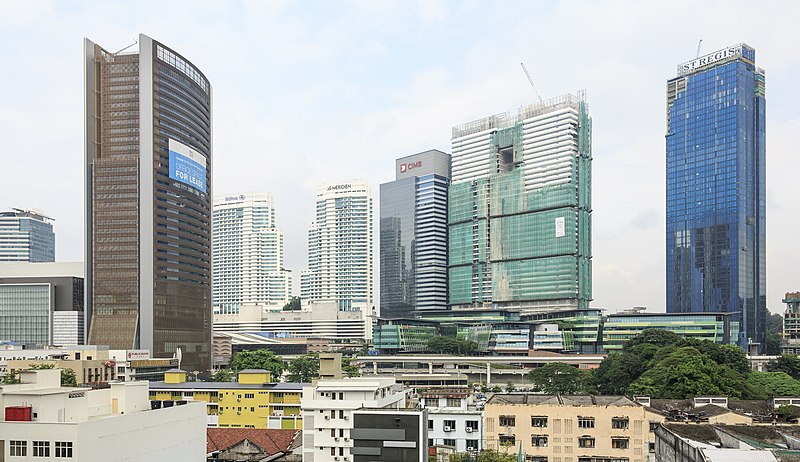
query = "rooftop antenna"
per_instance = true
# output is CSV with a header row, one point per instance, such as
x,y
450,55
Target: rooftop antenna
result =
x,y
698,47
120,51
530,79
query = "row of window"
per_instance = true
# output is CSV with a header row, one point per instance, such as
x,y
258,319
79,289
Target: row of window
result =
x,y
541,421
18,448
450,425
586,442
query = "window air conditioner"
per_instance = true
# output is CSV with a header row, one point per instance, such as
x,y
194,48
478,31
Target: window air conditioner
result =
x,y
327,417
336,439
469,430
347,417
447,428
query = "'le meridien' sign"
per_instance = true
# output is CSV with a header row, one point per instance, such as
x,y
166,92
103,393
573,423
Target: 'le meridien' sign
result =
x,y
725,53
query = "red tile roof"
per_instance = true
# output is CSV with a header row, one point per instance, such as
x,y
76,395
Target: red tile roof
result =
x,y
272,441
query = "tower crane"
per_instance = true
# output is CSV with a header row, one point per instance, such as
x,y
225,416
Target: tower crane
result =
x,y
530,79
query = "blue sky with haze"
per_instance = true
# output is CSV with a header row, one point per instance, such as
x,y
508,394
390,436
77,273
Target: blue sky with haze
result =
x,y
313,92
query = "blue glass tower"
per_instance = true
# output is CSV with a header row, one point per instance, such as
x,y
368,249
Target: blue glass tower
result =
x,y
716,195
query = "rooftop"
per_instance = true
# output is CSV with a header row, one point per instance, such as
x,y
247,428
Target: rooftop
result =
x,y
281,386
271,441
559,400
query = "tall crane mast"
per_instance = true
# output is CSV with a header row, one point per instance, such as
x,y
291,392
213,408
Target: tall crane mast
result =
x,y
530,79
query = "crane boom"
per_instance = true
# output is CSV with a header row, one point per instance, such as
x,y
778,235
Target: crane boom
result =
x,y
530,79
698,47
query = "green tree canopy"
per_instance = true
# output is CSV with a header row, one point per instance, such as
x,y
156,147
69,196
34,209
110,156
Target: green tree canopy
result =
x,y
258,359
775,383
558,378
222,375
451,346
786,363
293,305
304,368
68,377
657,337
348,368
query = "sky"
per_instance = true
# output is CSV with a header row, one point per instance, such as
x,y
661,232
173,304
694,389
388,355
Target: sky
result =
x,y
307,93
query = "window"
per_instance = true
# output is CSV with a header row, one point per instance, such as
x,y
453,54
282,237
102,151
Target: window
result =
x,y
508,421
539,441
535,458
653,426
63,448
507,440
619,422
586,442
249,395
473,424
585,422
449,442
453,402
430,424
18,448
619,443
449,425
472,445
41,449
430,442
539,421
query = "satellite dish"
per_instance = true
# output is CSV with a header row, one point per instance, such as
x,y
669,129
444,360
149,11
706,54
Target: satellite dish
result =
x,y
179,355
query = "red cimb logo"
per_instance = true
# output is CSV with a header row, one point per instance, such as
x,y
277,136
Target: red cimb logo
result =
x,y
402,168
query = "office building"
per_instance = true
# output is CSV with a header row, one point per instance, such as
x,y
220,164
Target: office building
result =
x,y
42,303
519,209
148,201
26,235
329,408
582,428
45,421
340,248
247,253
620,327
413,235
716,192
252,401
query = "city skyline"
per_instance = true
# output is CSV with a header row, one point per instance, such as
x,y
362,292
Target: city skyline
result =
x,y
370,117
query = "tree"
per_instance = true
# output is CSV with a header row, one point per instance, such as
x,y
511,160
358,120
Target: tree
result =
x,y
657,337
222,375
774,341
293,305
616,373
11,378
510,387
348,368
451,346
490,455
785,363
775,383
558,379
303,368
258,359
686,372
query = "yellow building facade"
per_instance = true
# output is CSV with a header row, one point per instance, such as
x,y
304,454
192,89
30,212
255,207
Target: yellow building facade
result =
x,y
569,428
250,402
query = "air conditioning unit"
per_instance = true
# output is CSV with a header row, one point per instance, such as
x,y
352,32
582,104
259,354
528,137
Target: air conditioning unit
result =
x,y
346,458
469,430
347,439
238,412
347,417
327,417
336,458
336,439
447,429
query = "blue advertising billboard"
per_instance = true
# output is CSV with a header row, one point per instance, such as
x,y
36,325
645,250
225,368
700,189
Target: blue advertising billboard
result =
x,y
187,165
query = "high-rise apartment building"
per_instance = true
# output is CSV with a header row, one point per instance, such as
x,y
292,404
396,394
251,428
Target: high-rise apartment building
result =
x,y
247,253
26,235
716,194
340,248
413,235
519,210
148,202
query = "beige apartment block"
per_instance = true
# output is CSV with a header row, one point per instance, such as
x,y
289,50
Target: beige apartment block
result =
x,y
551,428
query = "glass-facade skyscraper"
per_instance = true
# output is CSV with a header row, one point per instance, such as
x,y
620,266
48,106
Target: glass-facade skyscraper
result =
x,y
148,167
413,235
247,253
716,194
26,235
519,209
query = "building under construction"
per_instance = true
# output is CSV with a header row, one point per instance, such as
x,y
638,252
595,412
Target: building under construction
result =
x,y
519,213
791,324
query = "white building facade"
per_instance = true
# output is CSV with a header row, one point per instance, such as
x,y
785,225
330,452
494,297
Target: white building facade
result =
x,y
340,248
328,409
50,422
247,255
454,424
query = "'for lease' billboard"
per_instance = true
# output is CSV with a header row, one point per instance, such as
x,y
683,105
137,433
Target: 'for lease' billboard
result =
x,y
187,165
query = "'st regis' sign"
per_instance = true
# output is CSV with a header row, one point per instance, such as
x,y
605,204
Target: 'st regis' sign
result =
x,y
695,64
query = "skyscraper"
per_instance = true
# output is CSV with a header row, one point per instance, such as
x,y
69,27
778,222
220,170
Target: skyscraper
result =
x,y
148,201
26,235
413,235
519,210
340,248
716,196
247,253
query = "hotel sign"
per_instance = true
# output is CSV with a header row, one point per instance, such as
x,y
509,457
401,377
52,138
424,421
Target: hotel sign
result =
x,y
725,53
